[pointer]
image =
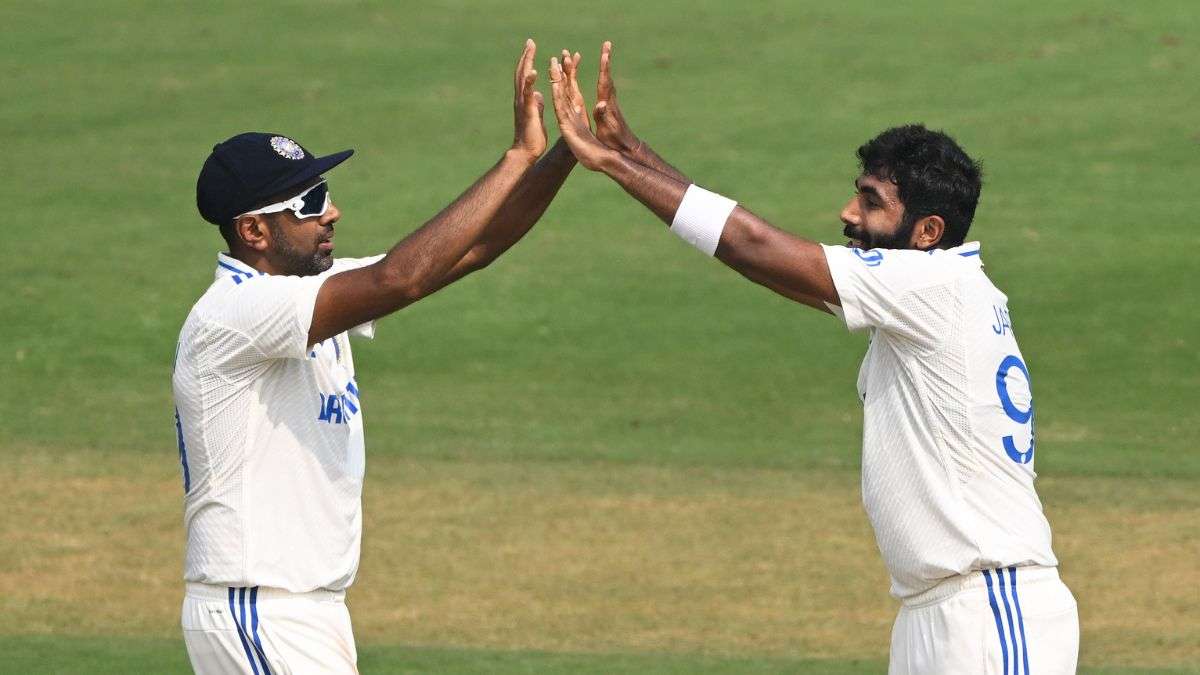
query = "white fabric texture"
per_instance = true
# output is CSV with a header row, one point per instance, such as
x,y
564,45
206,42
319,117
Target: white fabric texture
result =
x,y
260,631
1013,621
701,217
947,465
270,435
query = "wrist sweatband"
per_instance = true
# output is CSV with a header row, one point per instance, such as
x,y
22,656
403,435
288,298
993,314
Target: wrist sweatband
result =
x,y
701,218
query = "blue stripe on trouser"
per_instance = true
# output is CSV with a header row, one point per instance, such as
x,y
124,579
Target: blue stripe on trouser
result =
x,y
242,631
1011,631
246,633
987,576
1012,574
262,655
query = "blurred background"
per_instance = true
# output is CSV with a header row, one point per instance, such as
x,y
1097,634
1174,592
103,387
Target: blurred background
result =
x,y
605,452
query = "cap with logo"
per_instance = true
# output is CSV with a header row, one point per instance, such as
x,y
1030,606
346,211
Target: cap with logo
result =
x,y
243,171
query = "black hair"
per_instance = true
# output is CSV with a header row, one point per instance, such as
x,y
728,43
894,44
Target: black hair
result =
x,y
228,234
933,176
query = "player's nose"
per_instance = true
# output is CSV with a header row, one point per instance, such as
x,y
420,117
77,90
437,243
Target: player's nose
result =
x,y
850,214
331,215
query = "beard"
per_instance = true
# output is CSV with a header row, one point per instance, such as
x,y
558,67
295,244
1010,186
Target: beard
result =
x,y
294,260
895,240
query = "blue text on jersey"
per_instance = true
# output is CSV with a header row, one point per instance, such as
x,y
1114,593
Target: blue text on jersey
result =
x,y
339,408
1014,413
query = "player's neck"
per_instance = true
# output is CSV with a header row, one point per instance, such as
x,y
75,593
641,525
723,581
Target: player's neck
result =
x,y
255,260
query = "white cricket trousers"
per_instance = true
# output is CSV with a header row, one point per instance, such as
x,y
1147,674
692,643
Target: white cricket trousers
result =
x,y
267,631
1005,621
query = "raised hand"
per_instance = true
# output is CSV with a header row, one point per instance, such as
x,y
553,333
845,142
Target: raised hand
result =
x,y
570,66
611,127
573,121
530,134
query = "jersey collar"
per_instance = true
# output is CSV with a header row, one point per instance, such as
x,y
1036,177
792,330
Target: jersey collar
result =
x,y
969,250
228,266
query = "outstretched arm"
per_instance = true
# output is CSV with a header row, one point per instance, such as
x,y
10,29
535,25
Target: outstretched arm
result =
x,y
789,265
524,206
418,264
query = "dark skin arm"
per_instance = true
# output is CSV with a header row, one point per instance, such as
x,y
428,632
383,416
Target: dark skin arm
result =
x,y
422,262
789,265
523,208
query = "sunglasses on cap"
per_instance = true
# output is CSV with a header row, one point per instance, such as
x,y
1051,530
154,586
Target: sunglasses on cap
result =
x,y
308,204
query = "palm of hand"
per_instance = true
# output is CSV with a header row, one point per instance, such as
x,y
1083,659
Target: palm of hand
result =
x,y
569,108
611,127
530,133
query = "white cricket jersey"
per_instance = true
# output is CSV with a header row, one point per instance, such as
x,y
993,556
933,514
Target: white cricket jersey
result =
x,y
270,435
947,465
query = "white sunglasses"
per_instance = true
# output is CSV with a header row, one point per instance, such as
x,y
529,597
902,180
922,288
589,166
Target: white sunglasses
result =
x,y
308,204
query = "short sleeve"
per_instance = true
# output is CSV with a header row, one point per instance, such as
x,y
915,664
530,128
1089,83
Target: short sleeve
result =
x,y
346,264
364,330
905,292
273,313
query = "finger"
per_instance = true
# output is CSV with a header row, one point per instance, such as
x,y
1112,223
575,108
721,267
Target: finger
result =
x,y
556,74
600,112
530,53
523,65
576,94
604,83
540,102
572,81
574,74
529,93
556,90
570,63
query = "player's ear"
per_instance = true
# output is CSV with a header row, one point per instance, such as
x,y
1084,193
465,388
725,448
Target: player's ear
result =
x,y
253,232
928,232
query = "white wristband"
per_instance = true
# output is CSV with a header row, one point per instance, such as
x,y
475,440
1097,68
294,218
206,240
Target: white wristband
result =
x,y
701,218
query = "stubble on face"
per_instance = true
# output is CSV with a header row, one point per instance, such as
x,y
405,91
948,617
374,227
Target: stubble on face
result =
x,y
898,238
295,256
882,220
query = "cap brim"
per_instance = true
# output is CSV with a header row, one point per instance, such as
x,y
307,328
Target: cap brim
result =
x,y
315,168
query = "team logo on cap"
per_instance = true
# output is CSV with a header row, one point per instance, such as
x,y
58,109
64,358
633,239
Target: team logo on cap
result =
x,y
286,147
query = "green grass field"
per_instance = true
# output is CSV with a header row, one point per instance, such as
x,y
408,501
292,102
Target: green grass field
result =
x,y
604,453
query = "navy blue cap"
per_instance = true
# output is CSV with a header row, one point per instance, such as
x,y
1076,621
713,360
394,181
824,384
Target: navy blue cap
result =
x,y
246,169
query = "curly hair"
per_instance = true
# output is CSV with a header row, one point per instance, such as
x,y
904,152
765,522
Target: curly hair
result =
x,y
933,176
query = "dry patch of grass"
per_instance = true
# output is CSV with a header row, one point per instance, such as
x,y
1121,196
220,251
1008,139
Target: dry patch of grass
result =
x,y
618,557
90,543
1130,551
590,557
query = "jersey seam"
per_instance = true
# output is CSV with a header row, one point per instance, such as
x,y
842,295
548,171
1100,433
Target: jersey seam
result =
x,y
208,323
939,337
950,466
296,323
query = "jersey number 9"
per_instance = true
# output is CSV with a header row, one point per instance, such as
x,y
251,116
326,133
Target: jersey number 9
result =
x,y
1014,413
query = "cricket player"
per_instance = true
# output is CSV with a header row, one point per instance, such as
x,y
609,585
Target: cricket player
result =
x,y
948,442
269,410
